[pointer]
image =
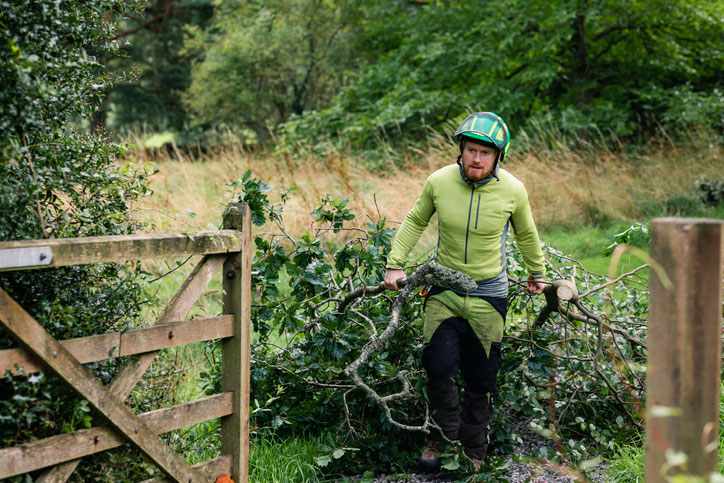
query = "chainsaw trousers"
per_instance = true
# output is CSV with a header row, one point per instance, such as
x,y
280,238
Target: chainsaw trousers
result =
x,y
455,347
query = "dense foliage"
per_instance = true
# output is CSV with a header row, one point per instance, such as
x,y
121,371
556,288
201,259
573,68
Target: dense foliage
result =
x,y
58,182
364,71
152,101
579,384
263,61
597,69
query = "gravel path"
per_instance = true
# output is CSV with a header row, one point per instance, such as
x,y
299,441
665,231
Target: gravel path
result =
x,y
518,472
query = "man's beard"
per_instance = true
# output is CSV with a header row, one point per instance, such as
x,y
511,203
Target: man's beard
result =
x,y
476,174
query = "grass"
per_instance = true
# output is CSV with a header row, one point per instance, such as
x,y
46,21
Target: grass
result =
x,y
580,198
587,244
566,188
276,460
627,465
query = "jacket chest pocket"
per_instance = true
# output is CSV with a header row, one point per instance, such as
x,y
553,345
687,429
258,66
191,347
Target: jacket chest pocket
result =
x,y
489,214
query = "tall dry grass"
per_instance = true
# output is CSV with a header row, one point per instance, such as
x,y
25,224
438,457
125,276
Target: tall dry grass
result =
x,y
566,186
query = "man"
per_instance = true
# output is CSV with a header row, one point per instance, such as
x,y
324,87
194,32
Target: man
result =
x,y
476,202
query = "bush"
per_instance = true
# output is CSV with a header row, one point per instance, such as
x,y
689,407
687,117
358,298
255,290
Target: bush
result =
x,y
712,192
60,182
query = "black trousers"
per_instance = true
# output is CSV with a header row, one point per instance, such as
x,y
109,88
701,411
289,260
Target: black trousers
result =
x,y
454,348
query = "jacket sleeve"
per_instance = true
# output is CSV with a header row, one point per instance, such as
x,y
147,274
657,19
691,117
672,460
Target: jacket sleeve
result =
x,y
526,235
412,227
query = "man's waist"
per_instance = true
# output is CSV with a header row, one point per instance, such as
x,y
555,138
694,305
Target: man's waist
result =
x,y
490,287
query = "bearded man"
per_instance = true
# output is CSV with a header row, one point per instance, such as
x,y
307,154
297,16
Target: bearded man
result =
x,y
476,202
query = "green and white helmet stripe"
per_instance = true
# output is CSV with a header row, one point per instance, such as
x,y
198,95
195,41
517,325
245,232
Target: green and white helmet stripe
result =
x,y
487,127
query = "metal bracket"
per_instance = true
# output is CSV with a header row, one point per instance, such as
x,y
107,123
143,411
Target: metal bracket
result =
x,y
14,258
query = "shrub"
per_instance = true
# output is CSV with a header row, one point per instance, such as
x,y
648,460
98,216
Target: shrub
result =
x,y
712,192
60,182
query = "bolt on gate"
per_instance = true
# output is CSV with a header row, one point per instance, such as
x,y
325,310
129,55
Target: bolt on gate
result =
x,y
228,249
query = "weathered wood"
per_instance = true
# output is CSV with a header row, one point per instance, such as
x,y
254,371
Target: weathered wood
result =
x,y
117,344
131,373
185,298
32,335
211,469
684,345
80,251
64,447
235,350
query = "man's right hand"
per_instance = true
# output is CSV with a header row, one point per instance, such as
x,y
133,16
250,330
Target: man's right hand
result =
x,y
391,278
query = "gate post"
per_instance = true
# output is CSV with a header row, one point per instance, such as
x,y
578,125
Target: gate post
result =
x,y
235,350
684,346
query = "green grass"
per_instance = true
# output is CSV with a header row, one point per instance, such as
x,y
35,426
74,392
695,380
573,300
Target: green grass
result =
x,y
627,464
586,244
273,460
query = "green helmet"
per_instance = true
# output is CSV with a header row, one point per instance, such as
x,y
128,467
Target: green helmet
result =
x,y
487,128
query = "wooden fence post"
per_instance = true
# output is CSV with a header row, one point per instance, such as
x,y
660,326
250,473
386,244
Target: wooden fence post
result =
x,y
235,350
684,346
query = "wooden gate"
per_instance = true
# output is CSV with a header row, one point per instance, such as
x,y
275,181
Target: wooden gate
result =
x,y
229,249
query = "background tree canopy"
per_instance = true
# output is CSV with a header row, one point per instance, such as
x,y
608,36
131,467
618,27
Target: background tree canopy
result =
x,y
610,66
154,39
264,61
382,69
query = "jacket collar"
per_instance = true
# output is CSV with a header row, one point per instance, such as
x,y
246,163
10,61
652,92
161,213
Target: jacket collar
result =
x,y
481,182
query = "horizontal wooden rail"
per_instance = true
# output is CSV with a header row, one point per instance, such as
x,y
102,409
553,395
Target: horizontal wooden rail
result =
x,y
65,447
117,344
212,469
19,254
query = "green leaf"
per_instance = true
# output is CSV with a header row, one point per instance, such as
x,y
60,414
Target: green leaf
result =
x,y
451,465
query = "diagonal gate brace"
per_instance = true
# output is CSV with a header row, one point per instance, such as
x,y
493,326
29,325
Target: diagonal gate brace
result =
x,y
37,340
131,373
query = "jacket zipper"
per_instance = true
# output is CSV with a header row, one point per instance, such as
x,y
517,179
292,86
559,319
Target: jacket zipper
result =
x,y
467,229
477,212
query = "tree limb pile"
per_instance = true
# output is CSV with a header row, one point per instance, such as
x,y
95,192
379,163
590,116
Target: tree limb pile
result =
x,y
429,273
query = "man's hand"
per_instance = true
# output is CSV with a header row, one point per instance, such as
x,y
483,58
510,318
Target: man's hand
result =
x,y
391,278
535,285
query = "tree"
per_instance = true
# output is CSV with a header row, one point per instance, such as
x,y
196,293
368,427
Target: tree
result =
x,y
576,67
58,181
154,39
336,354
264,60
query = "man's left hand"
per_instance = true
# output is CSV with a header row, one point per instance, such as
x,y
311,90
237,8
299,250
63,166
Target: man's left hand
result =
x,y
535,285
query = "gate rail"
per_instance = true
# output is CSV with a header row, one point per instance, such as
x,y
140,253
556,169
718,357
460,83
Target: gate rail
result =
x,y
228,249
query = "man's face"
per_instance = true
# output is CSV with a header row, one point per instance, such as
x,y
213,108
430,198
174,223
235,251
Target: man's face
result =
x,y
478,160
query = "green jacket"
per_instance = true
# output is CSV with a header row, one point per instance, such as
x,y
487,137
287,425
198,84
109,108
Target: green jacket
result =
x,y
472,224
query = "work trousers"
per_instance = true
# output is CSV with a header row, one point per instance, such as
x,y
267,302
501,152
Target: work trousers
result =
x,y
454,327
